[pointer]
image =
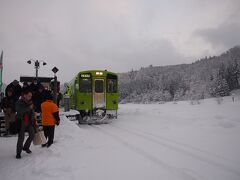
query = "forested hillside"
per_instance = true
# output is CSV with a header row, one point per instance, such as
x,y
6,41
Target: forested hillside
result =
x,y
208,77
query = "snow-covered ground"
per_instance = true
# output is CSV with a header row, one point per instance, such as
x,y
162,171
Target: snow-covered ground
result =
x,y
161,141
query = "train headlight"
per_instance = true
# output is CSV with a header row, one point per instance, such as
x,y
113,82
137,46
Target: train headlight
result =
x,y
99,73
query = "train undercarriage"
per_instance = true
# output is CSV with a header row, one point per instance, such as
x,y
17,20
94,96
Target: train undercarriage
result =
x,y
96,116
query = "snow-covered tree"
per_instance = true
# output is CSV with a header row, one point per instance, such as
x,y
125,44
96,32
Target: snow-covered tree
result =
x,y
207,77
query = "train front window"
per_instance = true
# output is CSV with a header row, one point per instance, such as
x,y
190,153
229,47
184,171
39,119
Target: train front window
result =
x,y
85,84
111,83
99,86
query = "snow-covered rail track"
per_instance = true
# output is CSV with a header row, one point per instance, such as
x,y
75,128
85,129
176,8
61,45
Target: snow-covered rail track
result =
x,y
178,172
215,161
187,150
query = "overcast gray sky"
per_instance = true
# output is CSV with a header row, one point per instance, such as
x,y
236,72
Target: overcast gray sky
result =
x,y
117,35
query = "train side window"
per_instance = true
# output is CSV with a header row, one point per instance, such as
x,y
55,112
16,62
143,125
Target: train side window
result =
x,y
112,85
85,83
99,86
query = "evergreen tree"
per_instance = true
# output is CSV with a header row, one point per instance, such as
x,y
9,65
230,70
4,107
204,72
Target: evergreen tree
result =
x,y
207,77
222,87
219,87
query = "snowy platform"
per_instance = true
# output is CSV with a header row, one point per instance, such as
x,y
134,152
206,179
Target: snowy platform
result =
x,y
162,141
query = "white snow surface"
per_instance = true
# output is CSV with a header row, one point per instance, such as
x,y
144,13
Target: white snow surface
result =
x,y
147,142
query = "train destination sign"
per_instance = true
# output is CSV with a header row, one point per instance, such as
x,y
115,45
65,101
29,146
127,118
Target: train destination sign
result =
x,y
85,75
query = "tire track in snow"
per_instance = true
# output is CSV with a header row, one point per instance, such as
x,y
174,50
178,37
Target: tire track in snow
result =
x,y
172,170
186,146
180,150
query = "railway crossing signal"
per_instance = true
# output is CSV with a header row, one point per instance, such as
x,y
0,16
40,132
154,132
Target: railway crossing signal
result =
x,y
55,70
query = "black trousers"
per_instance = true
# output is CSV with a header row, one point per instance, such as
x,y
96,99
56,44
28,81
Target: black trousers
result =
x,y
21,135
49,133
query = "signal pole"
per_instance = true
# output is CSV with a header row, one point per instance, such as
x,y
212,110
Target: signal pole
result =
x,y
55,70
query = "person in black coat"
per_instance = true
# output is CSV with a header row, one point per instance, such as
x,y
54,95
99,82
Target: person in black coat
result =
x,y
17,90
38,98
26,122
8,106
34,86
25,87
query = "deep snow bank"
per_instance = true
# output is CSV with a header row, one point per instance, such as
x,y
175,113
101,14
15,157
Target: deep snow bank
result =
x,y
155,141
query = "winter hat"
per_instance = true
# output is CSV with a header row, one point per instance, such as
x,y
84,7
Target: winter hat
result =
x,y
49,95
15,82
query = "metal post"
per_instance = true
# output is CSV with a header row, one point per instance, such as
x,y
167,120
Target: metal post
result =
x,y
55,88
36,72
37,67
55,70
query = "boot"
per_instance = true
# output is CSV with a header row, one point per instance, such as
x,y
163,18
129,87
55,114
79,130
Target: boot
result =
x,y
27,150
48,145
44,145
18,156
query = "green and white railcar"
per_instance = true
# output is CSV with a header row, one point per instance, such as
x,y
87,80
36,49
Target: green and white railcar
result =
x,y
94,94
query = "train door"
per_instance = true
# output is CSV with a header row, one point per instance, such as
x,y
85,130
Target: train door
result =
x,y
99,100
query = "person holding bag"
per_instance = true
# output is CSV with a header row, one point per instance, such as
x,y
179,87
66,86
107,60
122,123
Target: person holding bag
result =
x,y
26,120
50,117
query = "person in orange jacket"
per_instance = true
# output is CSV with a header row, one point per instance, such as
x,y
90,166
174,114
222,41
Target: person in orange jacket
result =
x,y
50,118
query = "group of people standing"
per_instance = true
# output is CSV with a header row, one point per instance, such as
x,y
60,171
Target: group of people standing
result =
x,y
20,106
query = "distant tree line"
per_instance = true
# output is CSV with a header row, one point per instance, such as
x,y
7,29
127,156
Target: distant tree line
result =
x,y
208,77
